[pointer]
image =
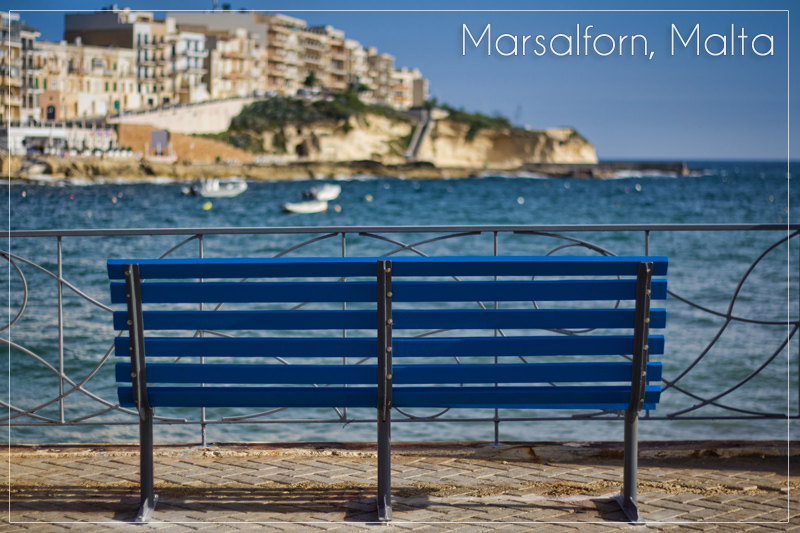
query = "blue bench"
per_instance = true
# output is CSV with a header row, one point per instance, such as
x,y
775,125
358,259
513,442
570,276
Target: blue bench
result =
x,y
392,302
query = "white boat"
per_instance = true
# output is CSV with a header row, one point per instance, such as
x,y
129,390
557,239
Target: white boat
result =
x,y
312,206
222,187
327,192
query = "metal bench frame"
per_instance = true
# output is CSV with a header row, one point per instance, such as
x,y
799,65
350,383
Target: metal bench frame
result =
x,y
627,499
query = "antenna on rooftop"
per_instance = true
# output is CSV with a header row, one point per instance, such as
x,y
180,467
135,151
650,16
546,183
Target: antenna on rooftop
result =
x,y
214,3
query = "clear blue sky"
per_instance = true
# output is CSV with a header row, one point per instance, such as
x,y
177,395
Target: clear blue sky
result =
x,y
681,106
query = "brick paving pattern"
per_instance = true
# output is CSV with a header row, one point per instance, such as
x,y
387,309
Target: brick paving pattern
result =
x,y
436,488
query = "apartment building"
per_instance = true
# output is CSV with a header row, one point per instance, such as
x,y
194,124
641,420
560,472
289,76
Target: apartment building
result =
x,y
380,69
189,67
78,81
155,43
10,67
285,53
235,65
408,88
327,46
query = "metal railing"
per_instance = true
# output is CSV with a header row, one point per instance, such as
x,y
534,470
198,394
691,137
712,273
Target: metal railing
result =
x,y
694,400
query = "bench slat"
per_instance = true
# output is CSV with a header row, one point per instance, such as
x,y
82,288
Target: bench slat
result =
x,y
402,266
360,347
255,396
403,319
408,291
276,374
574,372
540,397
261,374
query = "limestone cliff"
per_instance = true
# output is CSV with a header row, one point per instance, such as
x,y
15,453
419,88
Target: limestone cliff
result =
x,y
446,146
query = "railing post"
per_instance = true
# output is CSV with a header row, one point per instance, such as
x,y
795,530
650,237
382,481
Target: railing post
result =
x,y
344,308
203,440
496,361
60,333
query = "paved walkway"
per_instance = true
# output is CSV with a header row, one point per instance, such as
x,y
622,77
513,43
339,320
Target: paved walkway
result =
x,y
720,486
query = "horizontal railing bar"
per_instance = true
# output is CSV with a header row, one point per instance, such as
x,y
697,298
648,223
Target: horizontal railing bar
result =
x,y
511,228
770,416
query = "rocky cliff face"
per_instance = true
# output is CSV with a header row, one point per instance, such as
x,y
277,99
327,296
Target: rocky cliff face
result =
x,y
447,146
381,139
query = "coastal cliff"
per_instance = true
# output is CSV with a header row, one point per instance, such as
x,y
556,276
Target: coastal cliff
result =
x,y
292,139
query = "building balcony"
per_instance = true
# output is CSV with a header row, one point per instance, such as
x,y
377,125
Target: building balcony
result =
x,y
10,81
12,100
195,53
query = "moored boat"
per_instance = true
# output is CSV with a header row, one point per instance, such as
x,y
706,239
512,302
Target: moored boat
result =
x,y
312,206
222,187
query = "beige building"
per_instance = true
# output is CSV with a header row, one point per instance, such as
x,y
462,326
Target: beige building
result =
x,y
409,89
379,76
153,41
189,67
77,81
332,73
235,65
284,53
10,68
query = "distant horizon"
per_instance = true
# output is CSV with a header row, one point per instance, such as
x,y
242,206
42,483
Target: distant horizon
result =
x,y
671,106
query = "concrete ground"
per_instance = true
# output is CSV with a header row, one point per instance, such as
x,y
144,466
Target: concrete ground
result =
x,y
683,486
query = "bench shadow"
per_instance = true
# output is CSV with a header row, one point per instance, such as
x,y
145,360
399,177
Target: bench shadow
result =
x,y
292,504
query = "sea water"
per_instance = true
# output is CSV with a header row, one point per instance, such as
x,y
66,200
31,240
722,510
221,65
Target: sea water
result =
x,y
705,268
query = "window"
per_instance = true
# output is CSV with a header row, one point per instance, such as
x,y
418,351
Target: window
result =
x,y
106,86
97,63
115,86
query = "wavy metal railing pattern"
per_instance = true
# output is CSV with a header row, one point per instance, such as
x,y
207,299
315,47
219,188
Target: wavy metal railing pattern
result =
x,y
696,403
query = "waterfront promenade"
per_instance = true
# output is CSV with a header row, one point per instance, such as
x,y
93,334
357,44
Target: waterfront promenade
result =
x,y
697,486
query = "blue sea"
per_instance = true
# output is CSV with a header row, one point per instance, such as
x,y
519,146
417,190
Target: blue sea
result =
x,y
749,366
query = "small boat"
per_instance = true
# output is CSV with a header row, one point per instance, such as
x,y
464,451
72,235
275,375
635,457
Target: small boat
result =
x,y
312,206
327,192
222,187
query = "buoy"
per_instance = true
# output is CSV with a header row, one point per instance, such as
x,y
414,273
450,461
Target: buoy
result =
x,y
89,214
520,200
566,185
337,208
113,199
638,187
71,196
368,198
771,198
207,206
24,194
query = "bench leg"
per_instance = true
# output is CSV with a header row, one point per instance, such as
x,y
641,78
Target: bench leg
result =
x,y
149,499
384,468
627,499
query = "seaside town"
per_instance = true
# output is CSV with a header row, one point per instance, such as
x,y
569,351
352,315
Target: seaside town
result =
x,y
117,60
128,94
259,274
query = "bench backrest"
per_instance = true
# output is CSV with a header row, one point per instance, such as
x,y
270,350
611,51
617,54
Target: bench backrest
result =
x,y
582,346
269,336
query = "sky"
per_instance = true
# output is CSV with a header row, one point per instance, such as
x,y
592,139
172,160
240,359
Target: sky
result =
x,y
668,103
